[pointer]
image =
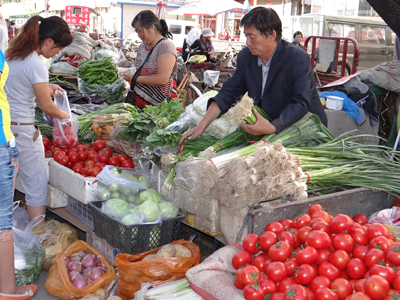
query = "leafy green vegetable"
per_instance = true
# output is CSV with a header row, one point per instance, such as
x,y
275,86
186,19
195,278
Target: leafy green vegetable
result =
x,y
162,137
150,195
168,210
116,208
150,210
33,265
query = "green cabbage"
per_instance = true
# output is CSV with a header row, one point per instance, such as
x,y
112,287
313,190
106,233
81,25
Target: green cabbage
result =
x,y
151,195
130,219
116,208
168,210
150,211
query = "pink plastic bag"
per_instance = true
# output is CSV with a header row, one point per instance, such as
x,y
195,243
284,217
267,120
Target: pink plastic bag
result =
x,y
390,216
65,131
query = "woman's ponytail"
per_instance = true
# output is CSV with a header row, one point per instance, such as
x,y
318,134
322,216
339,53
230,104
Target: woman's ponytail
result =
x,y
164,29
146,19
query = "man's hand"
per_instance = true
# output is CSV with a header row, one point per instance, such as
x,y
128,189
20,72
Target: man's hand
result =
x,y
212,54
262,126
55,90
192,134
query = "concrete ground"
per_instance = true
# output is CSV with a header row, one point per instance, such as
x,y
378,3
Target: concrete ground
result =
x,y
42,294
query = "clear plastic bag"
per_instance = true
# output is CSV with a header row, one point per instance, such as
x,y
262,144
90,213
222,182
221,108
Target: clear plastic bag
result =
x,y
168,210
29,254
20,217
65,131
186,176
63,68
113,93
211,77
390,216
107,53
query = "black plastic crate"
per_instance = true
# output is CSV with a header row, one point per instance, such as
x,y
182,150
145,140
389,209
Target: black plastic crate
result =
x,y
134,239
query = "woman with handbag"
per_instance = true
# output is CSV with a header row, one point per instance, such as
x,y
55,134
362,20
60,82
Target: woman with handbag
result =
x,y
156,62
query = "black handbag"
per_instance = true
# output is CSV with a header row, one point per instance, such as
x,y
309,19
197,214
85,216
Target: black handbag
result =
x,y
130,98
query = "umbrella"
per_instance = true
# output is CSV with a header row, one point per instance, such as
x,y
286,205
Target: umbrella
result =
x,y
389,11
210,7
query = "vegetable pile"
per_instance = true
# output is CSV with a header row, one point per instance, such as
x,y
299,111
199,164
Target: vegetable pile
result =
x,y
170,251
179,290
319,256
84,269
101,71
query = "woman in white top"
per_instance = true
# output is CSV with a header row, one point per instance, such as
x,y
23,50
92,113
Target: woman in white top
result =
x,y
29,79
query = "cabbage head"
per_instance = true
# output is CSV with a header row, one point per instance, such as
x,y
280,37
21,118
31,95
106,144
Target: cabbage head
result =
x,y
116,208
130,219
151,195
168,210
150,211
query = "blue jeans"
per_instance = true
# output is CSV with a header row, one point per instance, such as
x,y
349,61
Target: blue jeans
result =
x,y
8,172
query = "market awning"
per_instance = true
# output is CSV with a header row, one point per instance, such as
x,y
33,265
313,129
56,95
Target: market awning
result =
x,y
16,11
389,12
210,7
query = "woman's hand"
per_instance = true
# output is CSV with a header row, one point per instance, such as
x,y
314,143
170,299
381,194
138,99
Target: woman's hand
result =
x,y
192,134
55,90
262,126
126,76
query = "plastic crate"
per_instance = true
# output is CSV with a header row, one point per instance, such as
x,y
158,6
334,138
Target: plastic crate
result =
x,y
134,239
82,211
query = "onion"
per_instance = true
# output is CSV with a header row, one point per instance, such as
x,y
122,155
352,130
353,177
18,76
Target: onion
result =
x,y
90,260
97,273
67,260
80,282
102,265
78,255
72,275
87,271
75,266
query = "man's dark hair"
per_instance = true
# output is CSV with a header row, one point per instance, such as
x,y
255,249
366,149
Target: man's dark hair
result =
x,y
265,20
296,33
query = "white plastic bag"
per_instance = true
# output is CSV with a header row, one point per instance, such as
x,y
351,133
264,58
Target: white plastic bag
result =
x,y
390,216
211,77
65,131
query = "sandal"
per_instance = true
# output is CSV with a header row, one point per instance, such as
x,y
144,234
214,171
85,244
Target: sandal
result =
x,y
30,292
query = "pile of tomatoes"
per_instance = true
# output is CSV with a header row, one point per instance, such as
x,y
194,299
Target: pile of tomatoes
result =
x,y
319,257
86,159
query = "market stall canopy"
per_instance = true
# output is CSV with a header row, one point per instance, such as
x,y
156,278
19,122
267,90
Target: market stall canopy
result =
x,y
60,5
209,7
16,11
389,12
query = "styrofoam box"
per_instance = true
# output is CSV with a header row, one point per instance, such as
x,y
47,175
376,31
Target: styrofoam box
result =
x,y
18,185
102,246
75,185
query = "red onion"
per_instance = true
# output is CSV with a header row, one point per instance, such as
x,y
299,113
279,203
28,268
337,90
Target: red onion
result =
x,y
67,260
90,260
87,271
78,255
97,273
102,265
72,275
80,282
75,266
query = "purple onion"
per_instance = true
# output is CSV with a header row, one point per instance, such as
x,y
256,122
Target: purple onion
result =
x,y
67,261
78,255
75,266
90,260
87,271
72,275
80,282
97,273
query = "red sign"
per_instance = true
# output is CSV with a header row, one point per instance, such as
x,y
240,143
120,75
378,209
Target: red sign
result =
x,y
76,15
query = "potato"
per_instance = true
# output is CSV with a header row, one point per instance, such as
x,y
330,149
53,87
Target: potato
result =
x,y
150,256
182,251
91,297
166,251
114,298
102,293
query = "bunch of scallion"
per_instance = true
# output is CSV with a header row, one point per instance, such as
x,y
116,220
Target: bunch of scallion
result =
x,y
178,290
244,112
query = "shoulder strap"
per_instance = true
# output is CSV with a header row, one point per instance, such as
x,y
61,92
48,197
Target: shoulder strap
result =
x,y
137,73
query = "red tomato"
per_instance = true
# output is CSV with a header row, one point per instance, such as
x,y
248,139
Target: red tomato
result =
x,y
377,229
296,292
259,262
268,286
127,164
328,270
82,155
70,141
89,163
320,281
319,239
238,279
106,151
100,165
307,255
301,221
267,239
89,170
359,286
70,150
286,223
277,296
58,155
64,160
59,141
275,227
359,296
266,264
321,225
386,272
393,254
359,236
113,162
240,258
46,142
315,220
99,145
73,157
323,255
287,237
360,252
374,256
310,294
360,219
396,282
95,171
76,169
281,251
90,154
103,157
253,292
304,274
342,287
325,294
376,287
341,223
356,268
285,283
343,241
393,295
276,271
80,148
250,275
291,266
380,242
303,234
314,208
122,157
250,243
339,259
323,215
48,154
